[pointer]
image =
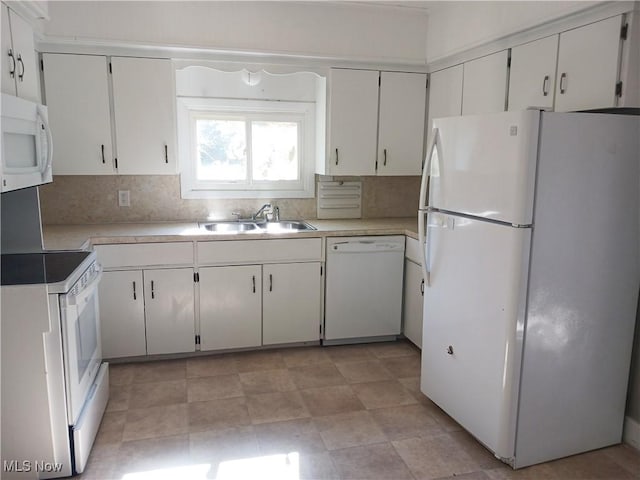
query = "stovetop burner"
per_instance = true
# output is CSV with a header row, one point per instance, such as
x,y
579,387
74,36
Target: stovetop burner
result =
x,y
40,268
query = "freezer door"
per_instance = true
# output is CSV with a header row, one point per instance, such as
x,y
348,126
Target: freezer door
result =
x,y
485,165
473,316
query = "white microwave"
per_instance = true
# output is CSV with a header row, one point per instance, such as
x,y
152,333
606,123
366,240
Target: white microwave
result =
x,y
26,154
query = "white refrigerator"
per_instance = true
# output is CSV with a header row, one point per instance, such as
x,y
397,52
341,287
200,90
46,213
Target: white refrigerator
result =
x,y
529,222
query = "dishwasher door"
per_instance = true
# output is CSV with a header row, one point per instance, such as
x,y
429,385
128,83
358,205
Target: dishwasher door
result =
x,y
364,288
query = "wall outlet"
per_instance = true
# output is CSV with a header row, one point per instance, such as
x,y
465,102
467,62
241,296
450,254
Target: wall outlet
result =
x,y
123,198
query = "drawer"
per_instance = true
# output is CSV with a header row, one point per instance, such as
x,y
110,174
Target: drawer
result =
x,y
145,254
259,251
412,250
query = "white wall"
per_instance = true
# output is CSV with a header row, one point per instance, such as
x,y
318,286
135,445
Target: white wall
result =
x,y
321,29
458,26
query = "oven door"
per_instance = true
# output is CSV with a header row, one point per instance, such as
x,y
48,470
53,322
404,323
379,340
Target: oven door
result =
x,y
81,343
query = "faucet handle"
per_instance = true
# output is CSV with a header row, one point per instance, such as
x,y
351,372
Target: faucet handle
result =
x,y
276,214
237,215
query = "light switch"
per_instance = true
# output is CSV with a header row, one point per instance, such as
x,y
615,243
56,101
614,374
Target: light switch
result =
x,y
123,198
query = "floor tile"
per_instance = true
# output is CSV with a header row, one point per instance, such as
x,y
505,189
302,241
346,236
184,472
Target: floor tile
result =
x,y
350,429
299,435
153,394
316,376
403,367
405,422
111,428
400,348
590,466
155,422
160,371
258,361
434,457
212,365
296,357
349,353
480,454
118,398
370,462
625,456
218,446
383,394
329,400
122,373
468,476
201,389
218,414
276,407
317,466
267,381
361,372
535,472
153,455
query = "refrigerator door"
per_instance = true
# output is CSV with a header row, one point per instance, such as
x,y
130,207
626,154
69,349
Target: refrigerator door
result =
x,y
473,317
484,165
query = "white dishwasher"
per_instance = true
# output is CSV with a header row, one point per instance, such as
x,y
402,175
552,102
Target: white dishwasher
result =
x,y
363,298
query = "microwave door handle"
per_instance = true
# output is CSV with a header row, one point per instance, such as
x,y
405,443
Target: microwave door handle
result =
x,y
48,162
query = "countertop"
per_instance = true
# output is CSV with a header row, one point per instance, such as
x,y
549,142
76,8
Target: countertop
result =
x,y
69,237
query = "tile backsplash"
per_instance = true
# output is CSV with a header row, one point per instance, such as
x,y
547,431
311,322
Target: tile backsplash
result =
x,y
81,199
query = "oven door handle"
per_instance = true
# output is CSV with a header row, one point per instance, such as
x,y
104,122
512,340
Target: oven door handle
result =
x,y
83,295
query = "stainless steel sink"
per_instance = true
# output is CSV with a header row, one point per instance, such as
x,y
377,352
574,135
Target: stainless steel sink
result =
x,y
249,226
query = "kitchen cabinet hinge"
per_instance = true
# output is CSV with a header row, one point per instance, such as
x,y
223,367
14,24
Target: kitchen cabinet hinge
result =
x,y
624,31
196,277
619,89
197,339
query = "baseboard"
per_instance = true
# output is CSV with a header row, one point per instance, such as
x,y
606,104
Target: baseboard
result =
x,y
631,433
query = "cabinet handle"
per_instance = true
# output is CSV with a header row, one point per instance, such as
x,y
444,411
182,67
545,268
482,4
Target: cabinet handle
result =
x,y
384,163
270,283
134,291
153,293
102,150
12,72
337,156
166,154
545,86
422,287
21,74
254,283
450,350
563,78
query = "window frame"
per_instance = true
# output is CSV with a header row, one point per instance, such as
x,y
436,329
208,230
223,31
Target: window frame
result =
x,y
302,113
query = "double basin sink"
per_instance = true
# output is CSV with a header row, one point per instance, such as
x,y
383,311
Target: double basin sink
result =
x,y
251,226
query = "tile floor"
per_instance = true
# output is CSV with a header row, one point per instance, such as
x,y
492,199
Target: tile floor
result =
x,y
344,412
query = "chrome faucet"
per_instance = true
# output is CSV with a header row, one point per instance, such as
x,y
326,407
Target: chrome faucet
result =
x,y
262,212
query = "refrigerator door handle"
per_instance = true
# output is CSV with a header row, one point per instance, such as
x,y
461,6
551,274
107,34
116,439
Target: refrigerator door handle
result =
x,y
426,170
423,245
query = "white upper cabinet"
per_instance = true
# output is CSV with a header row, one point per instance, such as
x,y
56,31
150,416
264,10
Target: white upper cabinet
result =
x,y
352,122
144,115
533,74
588,66
77,95
445,93
484,88
401,123
20,69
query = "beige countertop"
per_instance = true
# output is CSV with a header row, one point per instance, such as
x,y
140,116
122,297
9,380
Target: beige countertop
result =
x,y
68,237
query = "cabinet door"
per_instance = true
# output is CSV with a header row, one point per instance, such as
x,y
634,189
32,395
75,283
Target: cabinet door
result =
x,y
27,75
401,123
588,66
413,300
230,307
9,66
169,307
484,89
77,94
122,314
445,93
143,98
353,122
532,77
291,303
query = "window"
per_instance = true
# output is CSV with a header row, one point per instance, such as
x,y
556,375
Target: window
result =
x,y
245,148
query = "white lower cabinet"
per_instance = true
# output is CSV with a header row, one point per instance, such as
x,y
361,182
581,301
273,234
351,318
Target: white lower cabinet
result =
x,y
147,312
291,303
230,307
413,302
122,314
169,310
